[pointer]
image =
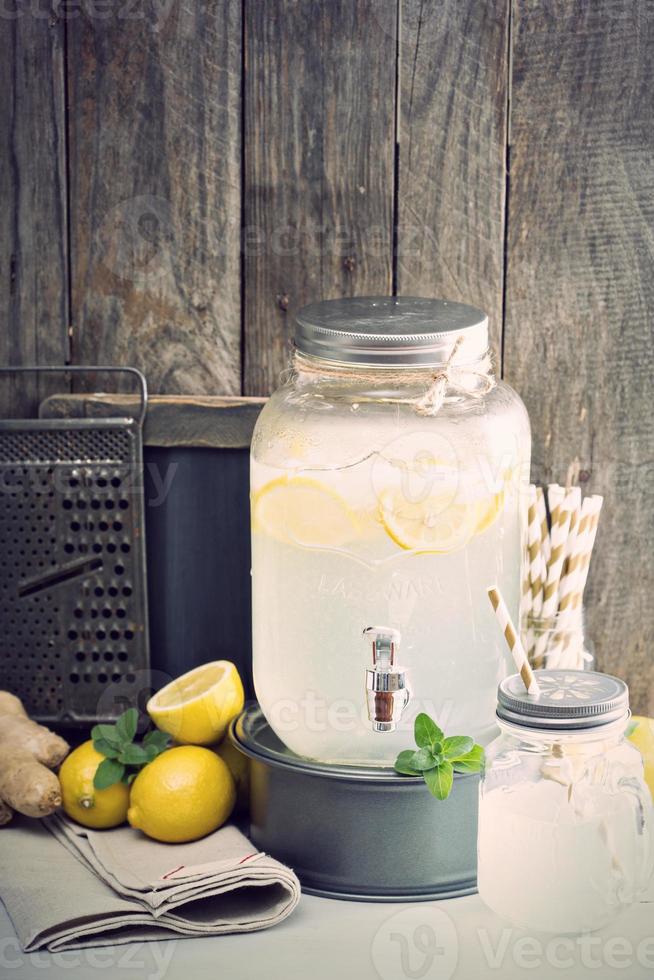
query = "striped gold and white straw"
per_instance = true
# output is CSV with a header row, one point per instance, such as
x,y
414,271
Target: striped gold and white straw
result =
x,y
514,643
544,527
558,537
557,562
588,544
537,569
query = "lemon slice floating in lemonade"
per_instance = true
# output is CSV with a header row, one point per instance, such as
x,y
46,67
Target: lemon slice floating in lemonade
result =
x,y
488,511
431,525
303,511
435,524
491,506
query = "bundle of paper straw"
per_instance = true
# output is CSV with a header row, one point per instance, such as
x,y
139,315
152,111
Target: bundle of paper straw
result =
x,y
561,534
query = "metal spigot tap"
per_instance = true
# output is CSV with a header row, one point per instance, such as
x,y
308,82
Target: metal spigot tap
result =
x,y
387,691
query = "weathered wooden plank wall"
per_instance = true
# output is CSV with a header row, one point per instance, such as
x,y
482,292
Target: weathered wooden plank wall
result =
x,y
452,148
319,102
155,191
33,222
578,340
219,164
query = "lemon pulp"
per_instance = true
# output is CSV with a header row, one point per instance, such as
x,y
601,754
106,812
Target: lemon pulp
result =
x,y
198,707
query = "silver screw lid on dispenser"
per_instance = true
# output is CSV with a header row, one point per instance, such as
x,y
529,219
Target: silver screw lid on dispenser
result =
x,y
569,700
392,331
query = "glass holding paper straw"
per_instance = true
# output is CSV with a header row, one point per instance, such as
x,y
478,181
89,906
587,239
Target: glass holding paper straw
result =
x,y
556,570
565,816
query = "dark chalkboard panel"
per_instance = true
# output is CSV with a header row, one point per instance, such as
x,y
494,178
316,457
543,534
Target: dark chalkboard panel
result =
x,y
198,547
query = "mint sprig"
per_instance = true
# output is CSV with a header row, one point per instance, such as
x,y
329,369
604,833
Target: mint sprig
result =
x,y
437,758
124,757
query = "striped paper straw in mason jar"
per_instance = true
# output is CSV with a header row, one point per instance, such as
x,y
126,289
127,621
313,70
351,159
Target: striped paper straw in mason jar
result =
x,y
514,643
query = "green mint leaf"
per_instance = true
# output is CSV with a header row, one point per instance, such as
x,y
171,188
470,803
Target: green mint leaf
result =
x,y
439,780
158,739
127,724
472,762
106,748
130,779
457,746
108,772
107,732
632,728
426,731
133,755
151,752
404,765
423,759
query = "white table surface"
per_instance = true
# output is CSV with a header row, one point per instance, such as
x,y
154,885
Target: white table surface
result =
x,y
332,940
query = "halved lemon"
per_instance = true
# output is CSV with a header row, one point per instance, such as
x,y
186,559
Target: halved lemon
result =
x,y
304,511
198,707
431,525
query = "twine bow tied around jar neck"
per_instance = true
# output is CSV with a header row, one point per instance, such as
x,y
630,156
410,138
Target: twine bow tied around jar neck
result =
x,y
450,376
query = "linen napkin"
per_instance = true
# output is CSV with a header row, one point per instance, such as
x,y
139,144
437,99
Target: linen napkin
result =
x,y
66,887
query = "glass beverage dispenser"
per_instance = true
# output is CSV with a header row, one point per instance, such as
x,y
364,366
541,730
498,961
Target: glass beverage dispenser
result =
x,y
385,479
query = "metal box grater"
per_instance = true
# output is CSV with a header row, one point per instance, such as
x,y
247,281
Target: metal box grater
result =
x,y
73,607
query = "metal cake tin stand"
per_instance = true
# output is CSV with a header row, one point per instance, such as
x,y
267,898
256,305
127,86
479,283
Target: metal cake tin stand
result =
x,y
357,833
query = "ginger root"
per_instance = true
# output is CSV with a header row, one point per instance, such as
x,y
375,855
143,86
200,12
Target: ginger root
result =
x,y
28,752
11,705
23,733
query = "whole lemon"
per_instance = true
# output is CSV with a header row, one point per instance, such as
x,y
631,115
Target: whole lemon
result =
x,y
97,808
643,738
185,793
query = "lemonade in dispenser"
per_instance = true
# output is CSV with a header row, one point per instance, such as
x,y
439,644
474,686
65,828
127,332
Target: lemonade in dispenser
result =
x,y
386,477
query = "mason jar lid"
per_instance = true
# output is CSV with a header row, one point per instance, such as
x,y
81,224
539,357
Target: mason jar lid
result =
x,y
391,331
569,700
